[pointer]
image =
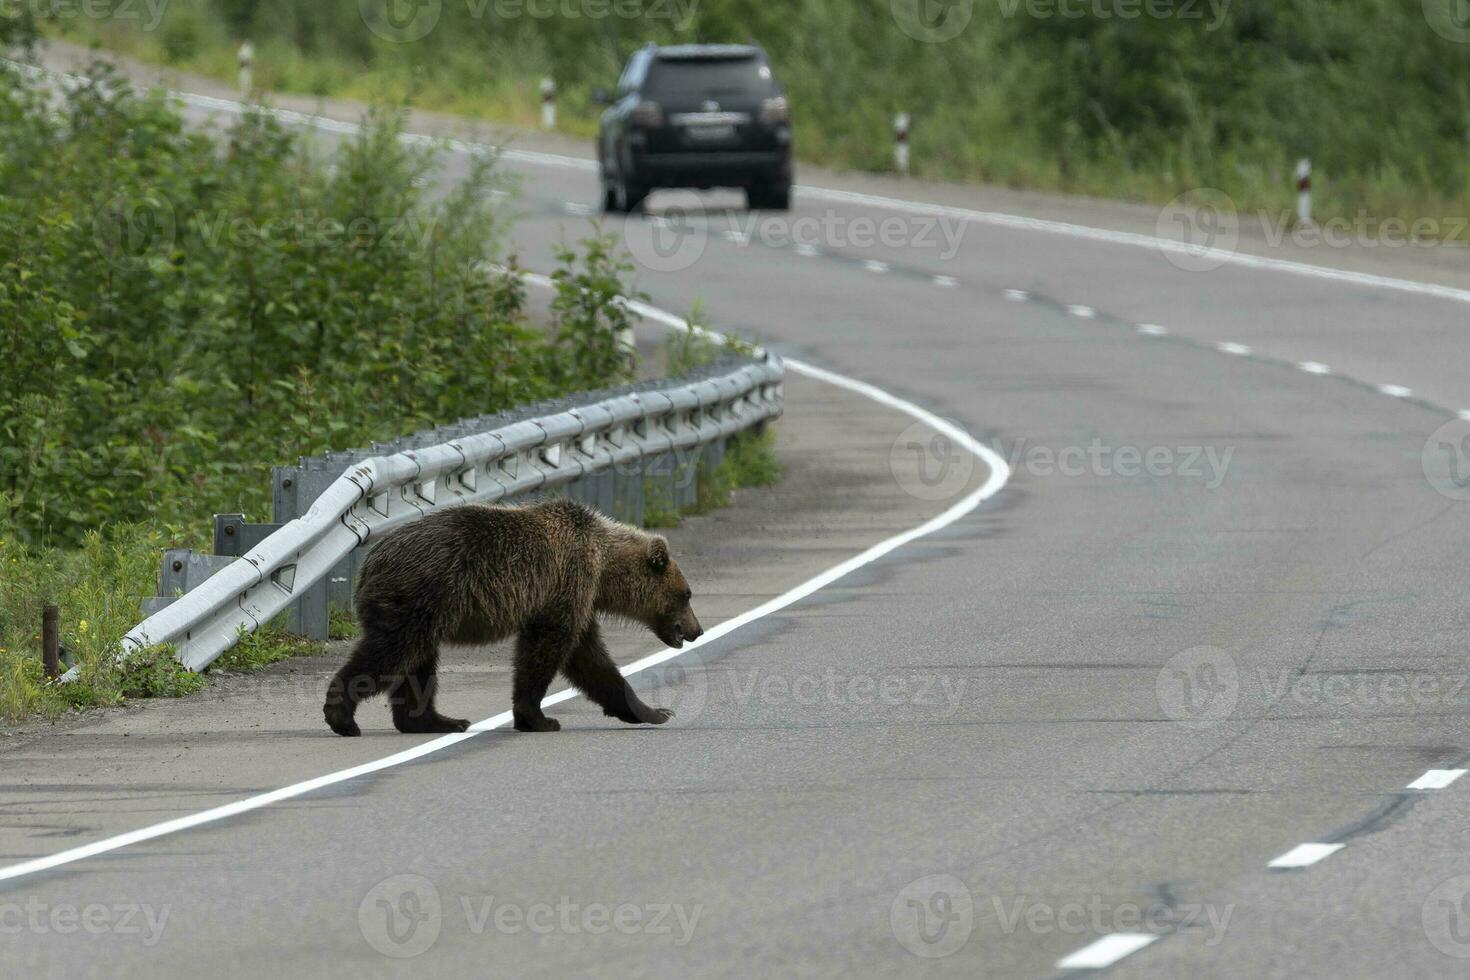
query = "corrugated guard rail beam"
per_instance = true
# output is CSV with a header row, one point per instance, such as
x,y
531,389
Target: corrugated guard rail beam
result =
x,y
375,495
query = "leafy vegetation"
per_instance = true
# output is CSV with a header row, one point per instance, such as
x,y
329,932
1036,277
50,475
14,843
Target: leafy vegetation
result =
x,y
180,310
1133,100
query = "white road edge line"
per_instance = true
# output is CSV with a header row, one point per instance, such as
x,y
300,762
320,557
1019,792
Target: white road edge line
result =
x,y
1000,474
1304,855
1106,951
1436,779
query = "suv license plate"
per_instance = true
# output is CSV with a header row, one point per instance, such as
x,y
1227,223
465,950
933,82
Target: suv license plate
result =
x,y
711,134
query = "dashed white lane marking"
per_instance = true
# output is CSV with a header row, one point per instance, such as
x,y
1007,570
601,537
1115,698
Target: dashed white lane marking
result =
x,y
1151,330
873,265
736,236
1017,295
1436,779
1106,951
572,207
1396,391
1314,367
1082,312
1239,350
1465,413
946,282
1000,474
808,251
1304,855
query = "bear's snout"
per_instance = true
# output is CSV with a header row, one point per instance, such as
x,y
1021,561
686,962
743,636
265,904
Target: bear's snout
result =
x,y
690,628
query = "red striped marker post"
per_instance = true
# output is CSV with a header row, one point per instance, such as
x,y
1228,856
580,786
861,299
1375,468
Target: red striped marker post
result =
x,y
1304,192
901,143
548,104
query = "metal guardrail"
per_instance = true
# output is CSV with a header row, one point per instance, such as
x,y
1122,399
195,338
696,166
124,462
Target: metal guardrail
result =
x,y
495,462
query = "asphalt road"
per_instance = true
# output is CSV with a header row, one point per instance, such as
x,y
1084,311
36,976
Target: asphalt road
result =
x,y
1216,613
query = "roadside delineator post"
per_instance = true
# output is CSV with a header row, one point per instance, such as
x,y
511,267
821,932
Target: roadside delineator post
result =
x,y
901,143
247,68
1304,192
51,642
548,104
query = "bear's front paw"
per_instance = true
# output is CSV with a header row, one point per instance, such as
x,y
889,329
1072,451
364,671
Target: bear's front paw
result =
x,y
657,716
542,724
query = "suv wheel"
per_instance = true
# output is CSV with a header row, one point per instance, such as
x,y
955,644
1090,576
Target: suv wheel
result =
x,y
768,197
630,196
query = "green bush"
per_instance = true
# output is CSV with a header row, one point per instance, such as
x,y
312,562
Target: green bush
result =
x,y
180,311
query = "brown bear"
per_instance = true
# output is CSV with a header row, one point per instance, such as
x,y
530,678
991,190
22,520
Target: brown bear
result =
x,y
478,574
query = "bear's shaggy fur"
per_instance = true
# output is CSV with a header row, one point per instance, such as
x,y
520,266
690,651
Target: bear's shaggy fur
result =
x,y
479,574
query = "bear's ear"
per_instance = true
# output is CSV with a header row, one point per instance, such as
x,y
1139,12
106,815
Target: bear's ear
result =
x,y
658,554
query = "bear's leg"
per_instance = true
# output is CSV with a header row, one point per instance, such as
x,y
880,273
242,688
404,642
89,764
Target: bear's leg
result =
x,y
593,672
373,662
540,651
412,698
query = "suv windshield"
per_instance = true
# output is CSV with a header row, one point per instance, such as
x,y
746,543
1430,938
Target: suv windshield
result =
x,y
709,77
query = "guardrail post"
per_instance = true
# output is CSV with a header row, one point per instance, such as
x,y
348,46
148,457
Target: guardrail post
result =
x,y
51,642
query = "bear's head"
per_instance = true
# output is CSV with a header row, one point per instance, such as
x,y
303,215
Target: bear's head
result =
x,y
673,619
644,583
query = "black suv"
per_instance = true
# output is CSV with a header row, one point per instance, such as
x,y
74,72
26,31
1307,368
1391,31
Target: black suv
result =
x,y
698,115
